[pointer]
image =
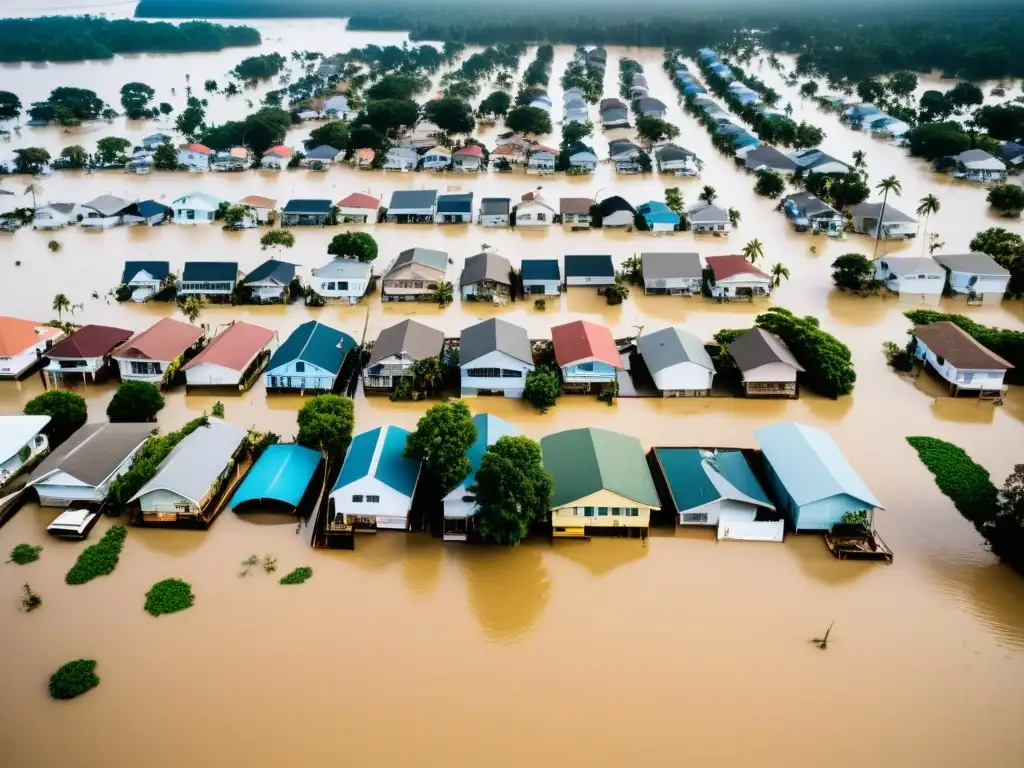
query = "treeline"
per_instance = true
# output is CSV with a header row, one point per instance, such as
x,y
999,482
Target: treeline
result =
x,y
74,38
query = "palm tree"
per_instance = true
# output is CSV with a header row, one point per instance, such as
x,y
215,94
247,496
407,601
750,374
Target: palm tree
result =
x,y
929,205
778,272
708,194
60,303
890,183
191,308
860,159
753,251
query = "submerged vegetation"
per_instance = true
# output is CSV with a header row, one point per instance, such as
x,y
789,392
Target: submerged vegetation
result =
x,y
73,679
298,576
98,559
23,554
169,596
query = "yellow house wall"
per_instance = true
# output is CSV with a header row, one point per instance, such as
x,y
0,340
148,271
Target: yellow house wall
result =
x,y
563,516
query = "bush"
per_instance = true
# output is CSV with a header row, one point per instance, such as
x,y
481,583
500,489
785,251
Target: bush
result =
x,y
852,272
1008,198
616,293
769,183
899,359
23,554
829,369
67,412
298,576
122,293
53,245
353,245
73,679
966,484
542,388
135,401
403,389
169,596
540,304
100,558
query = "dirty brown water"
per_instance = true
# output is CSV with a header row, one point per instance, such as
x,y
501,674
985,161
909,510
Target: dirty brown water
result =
x,y
604,653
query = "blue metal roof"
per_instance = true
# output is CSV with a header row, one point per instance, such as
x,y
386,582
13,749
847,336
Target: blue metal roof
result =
x,y
282,474
149,208
488,431
697,477
209,271
810,465
157,269
310,207
657,212
583,265
358,458
314,343
460,203
380,453
541,269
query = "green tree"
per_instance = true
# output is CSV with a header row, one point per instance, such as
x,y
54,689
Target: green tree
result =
x,y
165,108
753,251
576,132
353,245
851,271
61,304
1001,121
427,374
277,238
542,388
388,117
708,194
653,129
165,157
444,294
870,91
30,160
496,104
809,89
902,84
778,273
530,121
191,121
135,401
74,157
616,293
674,200
192,307
450,115
135,100
964,94
929,205
67,412
258,131
512,490
333,134
769,183
933,140
443,436
325,425
829,369
885,186
210,86
934,105
10,106
111,150
860,159
1008,198
400,87
1007,249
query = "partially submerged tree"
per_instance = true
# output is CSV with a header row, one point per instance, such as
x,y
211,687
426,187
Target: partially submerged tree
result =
x,y
67,412
277,238
136,99
442,438
135,401
851,271
353,245
512,489
542,388
1008,198
325,425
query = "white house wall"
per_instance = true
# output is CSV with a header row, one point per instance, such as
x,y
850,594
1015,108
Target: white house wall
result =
x,y
548,287
313,377
962,378
618,219
770,372
686,375
125,368
211,374
162,500
21,362
391,512
512,387
984,285
728,510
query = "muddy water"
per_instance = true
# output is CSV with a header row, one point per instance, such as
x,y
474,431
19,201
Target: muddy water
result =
x,y
409,650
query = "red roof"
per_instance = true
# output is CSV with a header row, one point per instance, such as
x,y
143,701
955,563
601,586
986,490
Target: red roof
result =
x,y
359,200
542,148
234,347
724,267
280,150
578,341
198,148
17,335
472,149
90,341
166,340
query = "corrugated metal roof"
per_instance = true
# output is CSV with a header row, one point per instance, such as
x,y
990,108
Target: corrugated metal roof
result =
x,y
93,452
672,346
663,266
89,341
587,460
209,271
157,269
541,269
380,453
414,339
234,347
281,474
580,340
486,266
494,335
314,343
586,265
697,477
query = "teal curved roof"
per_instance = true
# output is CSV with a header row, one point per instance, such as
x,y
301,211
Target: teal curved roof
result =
x,y
281,474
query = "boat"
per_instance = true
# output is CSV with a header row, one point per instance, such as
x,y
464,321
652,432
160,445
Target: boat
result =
x,y
73,524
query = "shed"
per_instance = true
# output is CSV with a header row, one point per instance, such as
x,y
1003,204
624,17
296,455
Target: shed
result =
x,y
678,362
766,364
494,211
279,478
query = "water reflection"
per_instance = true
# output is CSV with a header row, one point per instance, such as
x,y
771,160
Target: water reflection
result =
x,y
985,589
817,562
508,588
600,555
421,563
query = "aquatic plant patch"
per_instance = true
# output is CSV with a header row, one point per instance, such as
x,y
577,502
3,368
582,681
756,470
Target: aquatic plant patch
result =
x,y
23,554
73,679
169,596
966,483
98,559
298,576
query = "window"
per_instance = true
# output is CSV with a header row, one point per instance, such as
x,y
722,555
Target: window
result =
x,y
373,499
542,217
300,367
357,498
190,215
602,511
483,373
273,381
343,285
524,217
330,286
507,374
144,367
588,367
721,227
588,511
695,517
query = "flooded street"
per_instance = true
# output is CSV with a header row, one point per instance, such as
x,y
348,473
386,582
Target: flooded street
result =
x,y
606,653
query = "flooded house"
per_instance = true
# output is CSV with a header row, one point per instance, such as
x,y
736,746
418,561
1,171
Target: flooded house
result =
x,y
195,156
957,358
358,208
541,277
437,159
321,157
603,483
677,361
975,274
807,212
979,165
415,274
582,158
81,469
270,281
586,354
412,206
196,208
708,219
401,159
616,213
276,158
188,485
575,212
149,355
107,211
494,358
23,344
809,478
468,158
919,277
541,159
533,211
233,358
677,160
460,503
767,159
21,441
56,215
377,482
767,366
309,360
495,211
85,352
486,277
306,213
342,278
589,270
894,224
735,277
209,278
144,278
658,217
454,209
278,480
671,274
396,350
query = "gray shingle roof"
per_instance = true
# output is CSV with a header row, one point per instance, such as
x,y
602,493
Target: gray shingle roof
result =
x,y
424,256
670,152
281,271
345,268
495,206
905,265
486,266
93,452
416,340
707,214
413,198
758,347
974,263
771,157
672,346
872,211
492,335
811,204
661,266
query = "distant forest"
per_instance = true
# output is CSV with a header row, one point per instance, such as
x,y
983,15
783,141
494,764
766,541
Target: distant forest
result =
x,y
74,38
975,40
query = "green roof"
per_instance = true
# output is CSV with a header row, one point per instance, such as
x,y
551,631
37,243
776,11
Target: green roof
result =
x,y
314,343
696,477
585,461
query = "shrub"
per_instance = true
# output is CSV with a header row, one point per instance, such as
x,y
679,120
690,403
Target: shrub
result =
x,y
898,358
135,401
540,304
217,410
542,388
122,293
616,293
298,576
169,596
30,600
966,484
23,554
100,558
53,245
73,679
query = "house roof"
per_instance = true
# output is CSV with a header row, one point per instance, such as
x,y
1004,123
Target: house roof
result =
x,y
812,205
16,431
581,340
647,104
314,343
614,204
317,207
108,205
495,206
89,341
93,452
494,335
166,339
618,146
458,203
194,464
759,347
724,267
234,347
365,154
200,148
439,150
148,208
17,335
209,271
413,198
873,210
913,265
979,158
424,256
588,460
486,266
345,268
507,149
974,263
540,269
770,157
672,346
359,200
670,152
586,265
470,149
662,266
697,477
810,465
948,340
271,269
416,340
157,269
657,208
815,158
707,214
323,152
612,104
62,208
380,453
282,473
280,151
198,201
574,205
579,148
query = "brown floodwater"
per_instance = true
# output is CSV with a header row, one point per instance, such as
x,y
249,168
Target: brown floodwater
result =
x,y
601,653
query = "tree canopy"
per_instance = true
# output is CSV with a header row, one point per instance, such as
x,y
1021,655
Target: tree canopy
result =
x,y
1007,249
840,190
259,67
851,271
934,140
542,388
512,489
450,115
10,105
769,183
389,116
353,245
136,99
67,412
533,121
396,87
1008,198
442,438
496,104
135,401
111,150
325,424
259,131
333,134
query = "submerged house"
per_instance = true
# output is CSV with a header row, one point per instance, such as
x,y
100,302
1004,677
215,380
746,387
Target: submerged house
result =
x,y
401,159
56,215
582,159
961,361
144,277
396,350
590,270
320,157
677,160
533,211
209,278
279,479
107,211
678,362
766,364
673,274
85,352
806,211
460,503
261,209
277,158
768,159
486,277
358,208
917,276
270,281
469,158
494,357
979,165
603,483
616,213
495,211
233,358
377,482
148,356
709,219
23,344
658,216
412,206
975,274
809,478
415,274
541,159
196,208
194,156
586,354
437,159
309,360
80,470
575,212
735,277
896,225
541,277
306,213
454,209
342,279
21,441
188,482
